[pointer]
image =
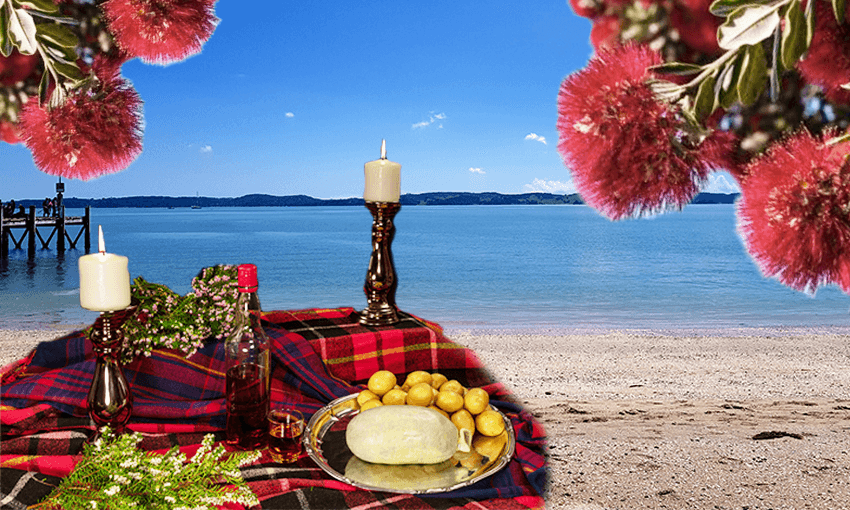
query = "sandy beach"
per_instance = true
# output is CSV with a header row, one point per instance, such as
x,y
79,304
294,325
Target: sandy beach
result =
x,y
731,419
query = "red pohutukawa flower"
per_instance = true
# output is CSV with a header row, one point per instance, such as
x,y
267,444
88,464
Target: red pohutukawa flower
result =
x,y
605,32
794,212
9,132
696,27
827,61
97,129
627,149
16,67
160,31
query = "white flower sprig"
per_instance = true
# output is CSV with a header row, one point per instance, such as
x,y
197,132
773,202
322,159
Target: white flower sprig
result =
x,y
115,475
165,320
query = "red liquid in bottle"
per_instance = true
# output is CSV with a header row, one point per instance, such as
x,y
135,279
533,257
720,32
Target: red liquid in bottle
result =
x,y
247,406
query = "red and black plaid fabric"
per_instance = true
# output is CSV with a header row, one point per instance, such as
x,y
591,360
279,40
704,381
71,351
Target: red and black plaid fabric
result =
x,y
318,355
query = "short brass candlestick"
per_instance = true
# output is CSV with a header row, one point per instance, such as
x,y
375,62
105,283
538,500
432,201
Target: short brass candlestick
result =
x,y
381,280
109,400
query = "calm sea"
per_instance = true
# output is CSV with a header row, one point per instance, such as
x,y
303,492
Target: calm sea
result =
x,y
474,267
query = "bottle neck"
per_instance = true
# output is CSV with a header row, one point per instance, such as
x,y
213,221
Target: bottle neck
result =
x,y
249,302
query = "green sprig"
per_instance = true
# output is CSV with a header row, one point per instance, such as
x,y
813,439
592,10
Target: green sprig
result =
x,y
115,475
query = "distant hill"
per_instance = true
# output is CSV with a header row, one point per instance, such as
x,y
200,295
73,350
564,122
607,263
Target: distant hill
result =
x,y
434,198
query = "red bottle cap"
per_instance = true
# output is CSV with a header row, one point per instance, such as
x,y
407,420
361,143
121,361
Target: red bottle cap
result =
x,y
247,278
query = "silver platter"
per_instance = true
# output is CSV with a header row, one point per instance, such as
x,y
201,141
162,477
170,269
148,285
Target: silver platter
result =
x,y
324,440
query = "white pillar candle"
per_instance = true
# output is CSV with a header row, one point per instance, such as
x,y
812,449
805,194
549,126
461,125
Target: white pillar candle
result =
x,y
104,280
383,179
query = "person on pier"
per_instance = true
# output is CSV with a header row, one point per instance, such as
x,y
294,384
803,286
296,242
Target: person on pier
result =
x,y
46,207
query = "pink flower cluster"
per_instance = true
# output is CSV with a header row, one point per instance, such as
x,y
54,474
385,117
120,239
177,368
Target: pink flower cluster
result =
x,y
687,21
166,320
97,129
160,31
794,212
827,62
632,154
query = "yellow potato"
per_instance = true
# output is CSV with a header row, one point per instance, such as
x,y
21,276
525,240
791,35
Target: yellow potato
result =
x,y
419,376
476,401
438,379
490,423
454,386
492,447
420,394
369,404
449,401
366,395
463,420
394,397
381,382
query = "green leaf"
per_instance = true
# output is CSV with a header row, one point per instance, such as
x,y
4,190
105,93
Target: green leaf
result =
x,y
46,6
753,76
5,37
22,30
706,99
58,35
665,90
726,86
794,42
838,7
724,7
810,22
59,54
43,87
748,26
677,68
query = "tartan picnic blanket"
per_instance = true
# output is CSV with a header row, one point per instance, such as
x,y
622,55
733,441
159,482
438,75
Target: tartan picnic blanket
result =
x,y
318,356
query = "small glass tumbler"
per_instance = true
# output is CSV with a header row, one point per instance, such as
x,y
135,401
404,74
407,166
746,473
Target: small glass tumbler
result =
x,y
285,429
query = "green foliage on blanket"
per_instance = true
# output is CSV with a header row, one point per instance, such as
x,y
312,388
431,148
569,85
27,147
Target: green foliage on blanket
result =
x,y
115,475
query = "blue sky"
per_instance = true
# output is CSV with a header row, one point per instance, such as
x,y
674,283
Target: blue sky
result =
x,y
294,97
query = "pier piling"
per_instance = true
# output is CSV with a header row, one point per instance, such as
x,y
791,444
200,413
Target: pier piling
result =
x,y
28,225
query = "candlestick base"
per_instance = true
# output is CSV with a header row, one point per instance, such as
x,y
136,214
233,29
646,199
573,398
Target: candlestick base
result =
x,y
109,400
381,281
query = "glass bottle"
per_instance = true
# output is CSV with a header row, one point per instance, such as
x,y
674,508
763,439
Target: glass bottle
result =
x,y
248,367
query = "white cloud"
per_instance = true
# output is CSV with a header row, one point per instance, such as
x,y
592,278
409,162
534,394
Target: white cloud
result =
x,y
433,117
535,136
477,170
289,115
206,148
543,186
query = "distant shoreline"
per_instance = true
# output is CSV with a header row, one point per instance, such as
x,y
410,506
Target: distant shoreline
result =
x,y
409,199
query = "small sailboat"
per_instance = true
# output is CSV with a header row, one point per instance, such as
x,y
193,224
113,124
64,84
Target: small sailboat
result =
x,y
196,205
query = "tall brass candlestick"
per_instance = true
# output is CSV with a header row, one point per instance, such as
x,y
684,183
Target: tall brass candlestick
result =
x,y
381,282
109,400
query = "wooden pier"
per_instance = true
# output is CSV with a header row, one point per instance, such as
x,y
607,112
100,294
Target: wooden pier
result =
x,y
28,231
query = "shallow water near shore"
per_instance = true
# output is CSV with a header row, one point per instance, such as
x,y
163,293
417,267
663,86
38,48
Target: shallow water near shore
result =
x,y
475,268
